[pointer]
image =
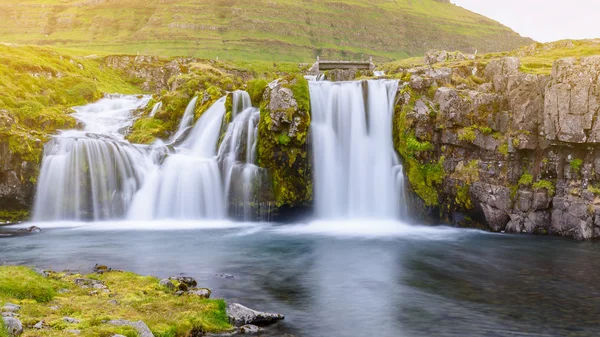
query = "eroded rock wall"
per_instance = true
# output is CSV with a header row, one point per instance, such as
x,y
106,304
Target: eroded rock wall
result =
x,y
520,152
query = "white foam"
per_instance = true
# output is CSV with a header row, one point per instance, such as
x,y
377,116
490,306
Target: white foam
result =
x,y
159,225
369,228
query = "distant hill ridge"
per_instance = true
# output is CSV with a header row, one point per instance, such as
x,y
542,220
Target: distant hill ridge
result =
x,y
273,30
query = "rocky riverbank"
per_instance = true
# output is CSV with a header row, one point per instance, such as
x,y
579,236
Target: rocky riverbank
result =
x,y
116,303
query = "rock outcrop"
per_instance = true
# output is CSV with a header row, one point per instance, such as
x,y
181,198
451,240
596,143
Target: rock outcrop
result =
x,y
240,315
520,152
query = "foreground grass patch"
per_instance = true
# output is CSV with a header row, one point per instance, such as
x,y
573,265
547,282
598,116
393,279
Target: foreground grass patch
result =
x,y
121,295
24,284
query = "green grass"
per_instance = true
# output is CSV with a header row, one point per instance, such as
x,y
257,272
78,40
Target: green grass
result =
x,y
23,283
538,58
138,297
278,30
3,331
39,86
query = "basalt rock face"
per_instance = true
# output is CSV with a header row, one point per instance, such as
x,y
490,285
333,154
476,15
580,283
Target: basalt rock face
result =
x,y
520,152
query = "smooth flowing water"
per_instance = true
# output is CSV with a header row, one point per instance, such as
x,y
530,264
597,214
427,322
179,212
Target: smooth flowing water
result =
x,y
338,279
93,173
357,173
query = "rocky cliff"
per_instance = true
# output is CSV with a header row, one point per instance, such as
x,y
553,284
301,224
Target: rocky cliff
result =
x,y
518,152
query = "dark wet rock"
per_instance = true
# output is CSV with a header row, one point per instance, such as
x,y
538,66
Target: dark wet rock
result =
x,y
250,329
225,275
32,229
167,283
203,292
240,315
188,281
99,268
13,326
141,327
71,320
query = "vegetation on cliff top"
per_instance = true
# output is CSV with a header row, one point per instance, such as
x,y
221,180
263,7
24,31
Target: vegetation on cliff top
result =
x,y
126,296
277,30
536,58
40,85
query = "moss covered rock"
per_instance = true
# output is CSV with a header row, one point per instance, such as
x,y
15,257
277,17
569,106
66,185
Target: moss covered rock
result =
x,y
282,145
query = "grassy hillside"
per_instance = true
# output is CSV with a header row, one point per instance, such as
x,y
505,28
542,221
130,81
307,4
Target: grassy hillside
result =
x,y
273,30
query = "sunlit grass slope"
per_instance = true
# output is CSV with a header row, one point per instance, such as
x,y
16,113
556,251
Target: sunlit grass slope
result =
x,y
273,30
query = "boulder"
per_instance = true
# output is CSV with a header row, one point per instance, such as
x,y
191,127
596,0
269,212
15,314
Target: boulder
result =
x,y
188,281
167,283
141,327
9,307
13,326
39,325
203,292
250,329
240,315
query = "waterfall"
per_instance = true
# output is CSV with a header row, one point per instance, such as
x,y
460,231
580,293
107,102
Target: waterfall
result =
x,y
188,184
155,109
187,120
92,174
242,178
356,170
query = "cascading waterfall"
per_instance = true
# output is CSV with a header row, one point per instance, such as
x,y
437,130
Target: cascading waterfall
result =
x,y
188,184
356,170
187,120
92,174
209,169
242,178
199,182
156,108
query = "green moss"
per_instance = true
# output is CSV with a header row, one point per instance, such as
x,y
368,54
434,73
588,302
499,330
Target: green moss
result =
x,y
13,216
256,89
467,134
594,189
463,198
575,165
146,130
425,175
503,149
301,93
525,180
138,297
284,139
285,157
545,184
425,179
414,146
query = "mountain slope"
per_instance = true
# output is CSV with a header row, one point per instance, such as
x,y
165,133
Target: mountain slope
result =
x,y
277,30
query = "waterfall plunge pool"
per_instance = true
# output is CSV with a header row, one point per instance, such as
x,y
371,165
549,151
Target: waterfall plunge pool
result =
x,y
339,279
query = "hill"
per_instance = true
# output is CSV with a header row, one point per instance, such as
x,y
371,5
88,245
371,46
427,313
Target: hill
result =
x,y
272,30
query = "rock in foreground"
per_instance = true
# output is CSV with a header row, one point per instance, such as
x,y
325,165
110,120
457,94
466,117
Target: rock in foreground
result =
x,y
240,315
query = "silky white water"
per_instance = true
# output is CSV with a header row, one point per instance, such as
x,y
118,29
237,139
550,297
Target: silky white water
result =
x,y
357,173
93,173
242,178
